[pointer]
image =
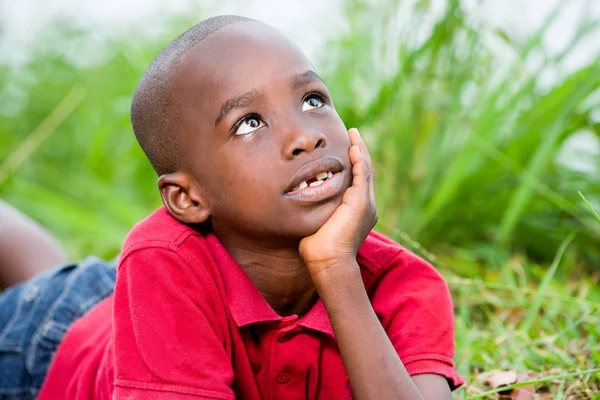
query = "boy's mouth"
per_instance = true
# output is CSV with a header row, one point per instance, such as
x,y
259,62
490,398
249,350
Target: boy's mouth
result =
x,y
314,181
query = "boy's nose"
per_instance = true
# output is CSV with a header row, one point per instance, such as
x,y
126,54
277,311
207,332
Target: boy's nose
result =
x,y
302,140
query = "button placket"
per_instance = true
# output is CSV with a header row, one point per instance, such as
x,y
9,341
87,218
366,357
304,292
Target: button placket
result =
x,y
285,363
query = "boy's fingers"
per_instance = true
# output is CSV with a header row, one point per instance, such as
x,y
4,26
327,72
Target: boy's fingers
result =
x,y
357,140
366,169
361,173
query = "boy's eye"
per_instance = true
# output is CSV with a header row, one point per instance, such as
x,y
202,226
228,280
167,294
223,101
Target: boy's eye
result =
x,y
249,124
312,101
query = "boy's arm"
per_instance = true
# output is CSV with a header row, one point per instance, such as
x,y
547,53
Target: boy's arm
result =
x,y
372,363
373,366
26,249
432,386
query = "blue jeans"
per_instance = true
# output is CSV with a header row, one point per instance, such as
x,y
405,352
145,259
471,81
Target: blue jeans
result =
x,y
35,315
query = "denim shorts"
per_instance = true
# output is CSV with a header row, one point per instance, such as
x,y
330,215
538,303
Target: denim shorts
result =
x,y
35,315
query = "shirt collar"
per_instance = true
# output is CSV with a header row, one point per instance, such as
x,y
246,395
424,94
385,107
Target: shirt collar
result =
x,y
247,305
318,320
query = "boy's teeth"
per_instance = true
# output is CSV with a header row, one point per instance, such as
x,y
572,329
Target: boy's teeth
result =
x,y
322,175
320,179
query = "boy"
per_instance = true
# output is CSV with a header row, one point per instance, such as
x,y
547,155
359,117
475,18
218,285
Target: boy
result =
x,y
260,277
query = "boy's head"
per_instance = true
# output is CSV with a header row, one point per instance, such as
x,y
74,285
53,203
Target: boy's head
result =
x,y
236,122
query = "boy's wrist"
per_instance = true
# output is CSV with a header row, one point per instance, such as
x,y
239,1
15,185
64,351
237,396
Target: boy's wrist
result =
x,y
335,277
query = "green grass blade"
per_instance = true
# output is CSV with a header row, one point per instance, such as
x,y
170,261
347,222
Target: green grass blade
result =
x,y
589,205
48,126
562,101
539,296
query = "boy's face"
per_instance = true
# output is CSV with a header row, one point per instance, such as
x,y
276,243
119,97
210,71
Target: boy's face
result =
x,y
261,125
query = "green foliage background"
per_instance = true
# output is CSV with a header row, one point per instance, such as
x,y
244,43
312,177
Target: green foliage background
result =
x,y
465,145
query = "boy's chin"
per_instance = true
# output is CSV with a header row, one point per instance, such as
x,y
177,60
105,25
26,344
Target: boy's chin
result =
x,y
311,223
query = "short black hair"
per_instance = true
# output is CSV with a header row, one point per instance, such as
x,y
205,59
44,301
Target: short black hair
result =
x,y
156,108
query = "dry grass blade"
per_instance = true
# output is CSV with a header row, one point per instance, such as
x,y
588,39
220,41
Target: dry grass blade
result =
x,y
535,382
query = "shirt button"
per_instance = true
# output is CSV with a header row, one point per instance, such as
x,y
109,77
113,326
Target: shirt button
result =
x,y
283,378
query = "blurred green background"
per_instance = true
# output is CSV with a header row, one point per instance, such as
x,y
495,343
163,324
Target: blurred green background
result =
x,y
481,141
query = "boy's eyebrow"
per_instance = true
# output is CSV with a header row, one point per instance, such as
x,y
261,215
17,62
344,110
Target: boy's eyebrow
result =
x,y
239,102
304,78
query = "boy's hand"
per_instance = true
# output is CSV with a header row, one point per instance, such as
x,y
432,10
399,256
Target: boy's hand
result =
x,y
374,368
338,240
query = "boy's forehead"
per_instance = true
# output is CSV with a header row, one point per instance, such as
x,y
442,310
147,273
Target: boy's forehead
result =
x,y
240,56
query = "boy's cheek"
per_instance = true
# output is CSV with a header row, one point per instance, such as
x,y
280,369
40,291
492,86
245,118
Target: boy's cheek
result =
x,y
337,131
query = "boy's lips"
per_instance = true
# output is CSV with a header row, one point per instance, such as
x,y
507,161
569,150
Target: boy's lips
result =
x,y
314,194
314,168
317,180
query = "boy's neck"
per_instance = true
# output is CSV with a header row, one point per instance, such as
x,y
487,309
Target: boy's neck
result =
x,y
279,274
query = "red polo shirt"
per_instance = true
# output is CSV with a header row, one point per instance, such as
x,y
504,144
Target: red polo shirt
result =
x,y
186,322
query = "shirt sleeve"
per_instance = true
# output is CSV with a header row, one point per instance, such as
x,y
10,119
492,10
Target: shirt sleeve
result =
x,y
414,305
167,341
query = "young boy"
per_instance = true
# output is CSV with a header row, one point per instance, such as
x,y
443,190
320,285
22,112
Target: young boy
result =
x,y
260,278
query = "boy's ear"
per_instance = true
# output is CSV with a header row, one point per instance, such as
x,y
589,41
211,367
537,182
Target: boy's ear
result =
x,y
183,198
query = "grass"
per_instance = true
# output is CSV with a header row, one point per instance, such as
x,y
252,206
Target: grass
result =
x,y
590,206
551,331
464,135
458,135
